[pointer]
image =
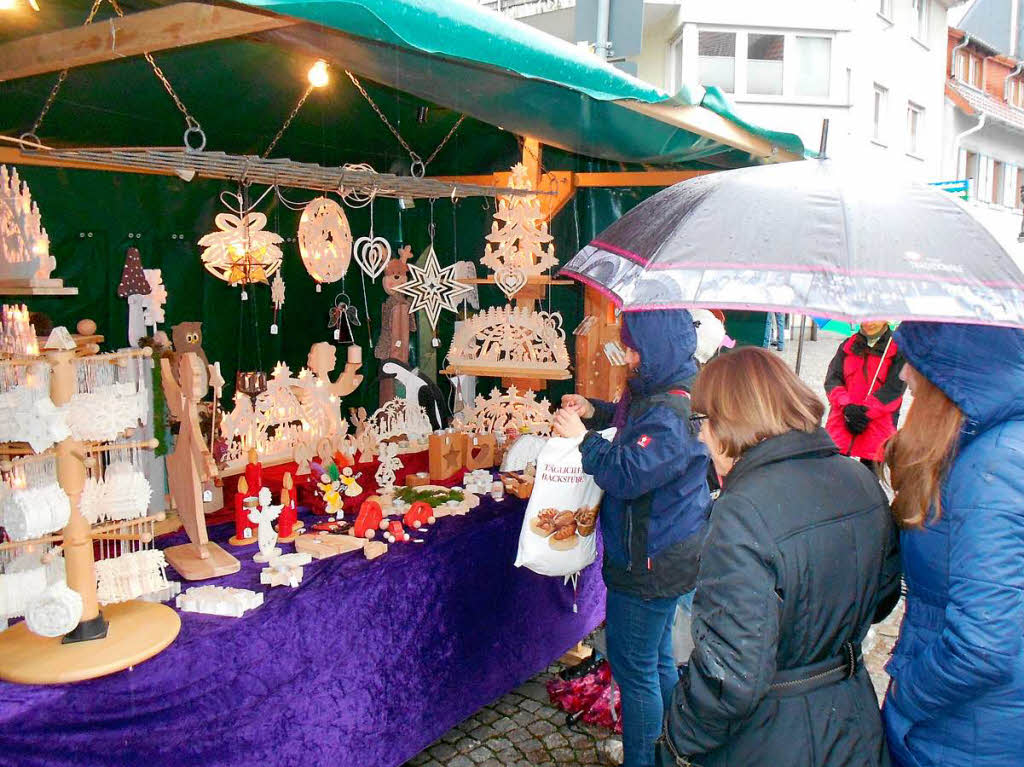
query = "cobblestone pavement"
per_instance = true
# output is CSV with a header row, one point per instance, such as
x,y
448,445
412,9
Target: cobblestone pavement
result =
x,y
522,729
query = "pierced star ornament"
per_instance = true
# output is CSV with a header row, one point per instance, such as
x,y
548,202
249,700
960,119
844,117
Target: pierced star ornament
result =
x,y
433,288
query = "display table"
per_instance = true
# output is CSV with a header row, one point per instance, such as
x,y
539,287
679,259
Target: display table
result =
x,y
365,664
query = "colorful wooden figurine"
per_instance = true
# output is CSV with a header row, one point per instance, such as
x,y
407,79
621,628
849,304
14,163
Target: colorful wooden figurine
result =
x,y
330,488
396,533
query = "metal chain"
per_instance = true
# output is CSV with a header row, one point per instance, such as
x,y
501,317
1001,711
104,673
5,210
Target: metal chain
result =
x,y
190,121
287,122
60,80
417,162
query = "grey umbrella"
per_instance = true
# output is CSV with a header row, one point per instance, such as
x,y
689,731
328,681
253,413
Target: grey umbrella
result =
x,y
826,239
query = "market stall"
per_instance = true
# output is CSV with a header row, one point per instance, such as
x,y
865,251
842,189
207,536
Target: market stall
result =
x,y
327,376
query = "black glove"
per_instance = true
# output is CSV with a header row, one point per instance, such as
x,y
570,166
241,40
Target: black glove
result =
x,y
856,417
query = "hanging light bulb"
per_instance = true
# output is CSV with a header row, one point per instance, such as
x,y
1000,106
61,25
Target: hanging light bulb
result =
x,y
7,5
317,75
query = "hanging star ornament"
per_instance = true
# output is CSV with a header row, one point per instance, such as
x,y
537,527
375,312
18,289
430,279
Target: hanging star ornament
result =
x,y
432,288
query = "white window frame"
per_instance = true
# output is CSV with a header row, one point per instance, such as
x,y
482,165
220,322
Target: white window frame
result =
x,y
916,149
885,10
921,19
879,113
789,65
675,65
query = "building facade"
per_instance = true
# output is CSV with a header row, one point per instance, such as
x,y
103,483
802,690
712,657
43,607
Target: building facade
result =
x,y
874,68
984,120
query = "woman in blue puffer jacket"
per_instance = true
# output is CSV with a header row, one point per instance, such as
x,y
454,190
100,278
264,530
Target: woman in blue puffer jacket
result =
x,y
957,691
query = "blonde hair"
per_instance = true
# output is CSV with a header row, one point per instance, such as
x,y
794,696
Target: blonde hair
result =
x,y
749,395
920,454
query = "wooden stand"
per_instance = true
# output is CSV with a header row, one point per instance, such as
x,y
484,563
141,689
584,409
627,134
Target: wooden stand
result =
x,y
136,631
125,634
188,467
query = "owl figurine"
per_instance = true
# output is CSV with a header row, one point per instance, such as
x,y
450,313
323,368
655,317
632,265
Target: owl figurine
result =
x,y
188,337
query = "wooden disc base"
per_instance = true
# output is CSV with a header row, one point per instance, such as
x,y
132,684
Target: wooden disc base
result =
x,y
236,541
137,631
185,559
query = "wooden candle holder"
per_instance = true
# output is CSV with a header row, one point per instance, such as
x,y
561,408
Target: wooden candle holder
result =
x,y
447,455
481,451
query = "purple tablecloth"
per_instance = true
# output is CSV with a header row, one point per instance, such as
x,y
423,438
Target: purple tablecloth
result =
x,y
365,664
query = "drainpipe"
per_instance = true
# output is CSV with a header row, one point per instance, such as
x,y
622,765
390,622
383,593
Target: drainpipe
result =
x,y
603,17
963,135
958,46
1009,79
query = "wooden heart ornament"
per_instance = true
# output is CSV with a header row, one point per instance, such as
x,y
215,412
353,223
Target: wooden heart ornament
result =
x,y
372,254
510,280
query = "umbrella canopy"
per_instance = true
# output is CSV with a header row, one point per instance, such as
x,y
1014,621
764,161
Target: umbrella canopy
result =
x,y
830,240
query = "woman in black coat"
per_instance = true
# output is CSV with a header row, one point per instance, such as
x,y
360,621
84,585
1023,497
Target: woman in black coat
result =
x,y
799,561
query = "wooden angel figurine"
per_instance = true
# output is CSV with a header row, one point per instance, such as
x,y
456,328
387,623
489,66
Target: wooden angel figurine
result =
x,y
396,322
266,535
188,467
321,362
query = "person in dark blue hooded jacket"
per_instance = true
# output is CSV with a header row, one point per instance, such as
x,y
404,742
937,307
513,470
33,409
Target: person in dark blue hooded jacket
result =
x,y
654,513
957,466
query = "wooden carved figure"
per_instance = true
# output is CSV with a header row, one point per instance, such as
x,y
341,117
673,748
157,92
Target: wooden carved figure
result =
x,y
187,468
420,390
321,361
266,535
396,322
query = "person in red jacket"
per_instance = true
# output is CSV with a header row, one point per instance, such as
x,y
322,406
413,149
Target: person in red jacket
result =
x,y
860,421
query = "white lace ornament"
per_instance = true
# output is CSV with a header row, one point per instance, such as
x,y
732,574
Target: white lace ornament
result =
x,y
218,600
126,492
55,612
24,579
130,575
103,414
34,511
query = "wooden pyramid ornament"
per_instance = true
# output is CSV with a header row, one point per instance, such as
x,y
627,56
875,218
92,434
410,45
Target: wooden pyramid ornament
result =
x,y
519,246
25,260
514,342
502,411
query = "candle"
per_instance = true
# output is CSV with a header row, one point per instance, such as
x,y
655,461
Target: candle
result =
x,y
355,354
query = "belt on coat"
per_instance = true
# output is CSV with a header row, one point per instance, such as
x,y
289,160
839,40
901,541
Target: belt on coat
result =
x,y
805,679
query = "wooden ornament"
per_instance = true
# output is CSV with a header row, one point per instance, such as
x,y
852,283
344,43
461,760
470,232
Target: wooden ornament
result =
x,y
447,455
433,288
481,451
506,411
520,245
240,252
25,260
510,341
325,240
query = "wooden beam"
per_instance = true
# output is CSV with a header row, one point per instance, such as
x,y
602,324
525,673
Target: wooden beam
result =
x,y
173,26
706,123
637,178
11,155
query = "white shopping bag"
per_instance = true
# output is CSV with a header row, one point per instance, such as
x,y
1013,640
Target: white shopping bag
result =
x,y
558,533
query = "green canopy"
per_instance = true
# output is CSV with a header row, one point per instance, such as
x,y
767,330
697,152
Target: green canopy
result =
x,y
509,74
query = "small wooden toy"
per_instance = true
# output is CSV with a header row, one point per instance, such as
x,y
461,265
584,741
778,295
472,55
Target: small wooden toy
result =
x,y
368,520
218,600
324,545
396,533
374,549
285,570
418,515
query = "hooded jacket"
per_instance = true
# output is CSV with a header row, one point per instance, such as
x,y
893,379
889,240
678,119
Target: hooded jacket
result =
x,y
958,667
800,559
653,473
849,375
